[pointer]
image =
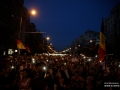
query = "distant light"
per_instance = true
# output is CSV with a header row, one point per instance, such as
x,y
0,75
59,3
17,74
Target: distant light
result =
x,y
44,68
33,59
96,56
64,63
84,57
75,47
33,12
78,45
16,50
12,67
91,40
89,59
100,61
48,38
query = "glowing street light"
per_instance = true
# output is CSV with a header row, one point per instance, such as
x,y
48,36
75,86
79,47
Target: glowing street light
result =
x,y
33,12
48,38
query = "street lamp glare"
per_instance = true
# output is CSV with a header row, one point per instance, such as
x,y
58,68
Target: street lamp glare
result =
x,y
48,38
33,12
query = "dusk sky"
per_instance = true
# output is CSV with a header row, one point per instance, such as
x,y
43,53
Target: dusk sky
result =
x,y
65,20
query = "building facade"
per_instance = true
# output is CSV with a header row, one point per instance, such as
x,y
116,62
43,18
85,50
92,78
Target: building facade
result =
x,y
90,39
112,30
10,12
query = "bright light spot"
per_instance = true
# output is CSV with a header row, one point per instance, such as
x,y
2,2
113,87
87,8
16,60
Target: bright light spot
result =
x,y
33,12
44,68
16,50
89,59
91,41
33,61
100,61
12,67
47,60
64,63
48,38
84,57
95,55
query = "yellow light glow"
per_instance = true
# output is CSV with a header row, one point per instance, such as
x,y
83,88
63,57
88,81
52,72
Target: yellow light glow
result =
x,y
48,38
33,12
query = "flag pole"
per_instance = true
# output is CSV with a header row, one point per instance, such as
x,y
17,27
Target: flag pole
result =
x,y
19,34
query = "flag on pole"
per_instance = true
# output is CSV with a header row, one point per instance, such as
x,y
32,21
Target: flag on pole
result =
x,y
102,49
20,45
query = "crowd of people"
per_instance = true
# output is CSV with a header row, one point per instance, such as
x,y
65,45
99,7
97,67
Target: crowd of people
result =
x,y
41,72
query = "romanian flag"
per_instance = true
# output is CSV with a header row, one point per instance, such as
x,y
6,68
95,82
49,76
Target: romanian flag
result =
x,y
102,48
27,48
20,45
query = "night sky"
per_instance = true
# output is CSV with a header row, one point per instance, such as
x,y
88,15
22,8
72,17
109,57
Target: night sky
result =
x,y
65,20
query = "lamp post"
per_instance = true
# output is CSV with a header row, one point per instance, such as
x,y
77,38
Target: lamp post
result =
x,y
33,12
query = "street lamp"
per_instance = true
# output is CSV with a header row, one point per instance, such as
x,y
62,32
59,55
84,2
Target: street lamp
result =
x,y
48,38
33,12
